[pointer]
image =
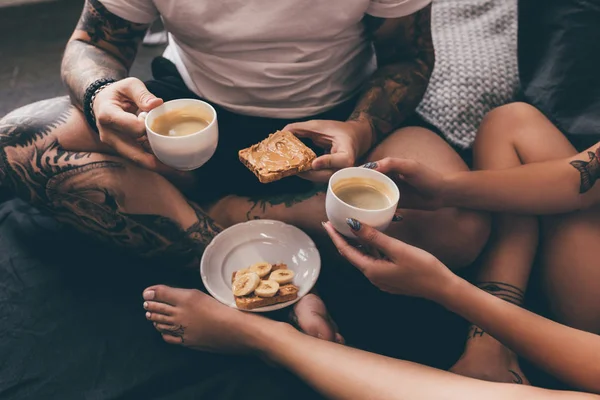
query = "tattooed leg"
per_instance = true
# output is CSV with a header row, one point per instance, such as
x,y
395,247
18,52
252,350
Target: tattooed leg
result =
x,y
99,194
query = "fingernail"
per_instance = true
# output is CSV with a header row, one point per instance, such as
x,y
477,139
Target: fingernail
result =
x,y
353,224
319,336
149,295
145,304
370,165
323,223
148,315
397,218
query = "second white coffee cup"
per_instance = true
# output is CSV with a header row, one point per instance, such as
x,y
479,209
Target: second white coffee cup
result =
x,y
188,152
338,211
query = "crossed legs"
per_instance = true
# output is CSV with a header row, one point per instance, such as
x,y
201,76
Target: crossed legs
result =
x,y
510,136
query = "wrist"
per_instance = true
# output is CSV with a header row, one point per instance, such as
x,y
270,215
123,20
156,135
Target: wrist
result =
x,y
364,135
89,97
448,191
447,289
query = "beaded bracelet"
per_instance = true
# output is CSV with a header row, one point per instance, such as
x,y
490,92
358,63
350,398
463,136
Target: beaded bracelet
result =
x,y
88,99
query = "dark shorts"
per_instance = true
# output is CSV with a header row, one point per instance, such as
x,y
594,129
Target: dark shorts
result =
x,y
224,174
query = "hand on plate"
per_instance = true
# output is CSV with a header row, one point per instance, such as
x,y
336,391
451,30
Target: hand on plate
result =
x,y
420,186
402,269
345,142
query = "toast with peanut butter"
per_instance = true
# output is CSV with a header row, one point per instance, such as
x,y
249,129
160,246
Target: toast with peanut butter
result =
x,y
278,293
278,156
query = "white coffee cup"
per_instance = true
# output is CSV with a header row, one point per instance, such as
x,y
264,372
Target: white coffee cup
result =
x,y
188,152
338,211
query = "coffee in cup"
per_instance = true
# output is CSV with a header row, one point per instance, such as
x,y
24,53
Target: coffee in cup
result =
x,y
363,194
181,122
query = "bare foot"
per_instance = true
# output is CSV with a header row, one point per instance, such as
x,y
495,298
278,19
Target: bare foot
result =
x,y
311,317
487,359
196,320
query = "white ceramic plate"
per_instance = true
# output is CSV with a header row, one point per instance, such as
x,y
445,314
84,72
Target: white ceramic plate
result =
x,y
250,242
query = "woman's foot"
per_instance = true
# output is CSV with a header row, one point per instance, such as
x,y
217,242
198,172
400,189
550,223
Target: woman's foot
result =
x,y
194,319
311,317
487,359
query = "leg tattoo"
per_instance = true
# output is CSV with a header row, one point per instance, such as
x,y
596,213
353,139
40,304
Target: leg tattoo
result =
x,y
85,189
504,291
288,200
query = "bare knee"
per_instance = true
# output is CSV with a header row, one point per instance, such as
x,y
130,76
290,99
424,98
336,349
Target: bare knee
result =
x,y
505,123
422,145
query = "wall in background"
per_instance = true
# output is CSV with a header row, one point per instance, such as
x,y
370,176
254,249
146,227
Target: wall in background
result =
x,y
7,3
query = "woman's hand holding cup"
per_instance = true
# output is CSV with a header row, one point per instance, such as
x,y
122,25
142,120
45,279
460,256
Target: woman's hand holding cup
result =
x,y
403,269
422,188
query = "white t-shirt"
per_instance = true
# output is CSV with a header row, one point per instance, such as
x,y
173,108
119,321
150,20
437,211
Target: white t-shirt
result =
x,y
271,58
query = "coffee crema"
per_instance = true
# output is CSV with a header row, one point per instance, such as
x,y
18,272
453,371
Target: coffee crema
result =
x,y
180,122
364,193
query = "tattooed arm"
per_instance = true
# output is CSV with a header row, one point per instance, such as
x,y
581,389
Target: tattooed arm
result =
x,y
540,188
550,187
405,58
102,46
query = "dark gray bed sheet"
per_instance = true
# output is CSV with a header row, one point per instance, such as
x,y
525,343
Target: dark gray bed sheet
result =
x,y
72,326
559,63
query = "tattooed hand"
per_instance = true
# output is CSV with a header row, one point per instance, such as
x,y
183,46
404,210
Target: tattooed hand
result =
x,y
422,188
346,142
116,108
402,269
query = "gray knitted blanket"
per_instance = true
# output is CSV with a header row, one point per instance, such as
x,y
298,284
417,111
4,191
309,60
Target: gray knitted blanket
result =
x,y
476,65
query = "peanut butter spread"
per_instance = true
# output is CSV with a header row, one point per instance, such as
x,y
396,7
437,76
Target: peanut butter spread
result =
x,y
280,151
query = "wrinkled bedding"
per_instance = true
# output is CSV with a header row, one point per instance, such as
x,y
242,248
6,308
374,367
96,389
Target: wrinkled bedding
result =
x,y
72,325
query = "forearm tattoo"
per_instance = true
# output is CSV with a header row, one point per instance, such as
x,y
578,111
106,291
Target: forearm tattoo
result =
x,y
589,170
405,66
85,190
103,46
502,290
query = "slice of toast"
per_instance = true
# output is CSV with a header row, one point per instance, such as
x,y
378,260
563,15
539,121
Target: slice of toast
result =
x,y
278,156
285,293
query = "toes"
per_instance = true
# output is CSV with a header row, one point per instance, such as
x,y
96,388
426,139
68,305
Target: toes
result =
x,y
159,308
171,339
164,294
160,318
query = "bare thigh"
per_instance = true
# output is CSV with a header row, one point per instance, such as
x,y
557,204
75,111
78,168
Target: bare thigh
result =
x,y
571,272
